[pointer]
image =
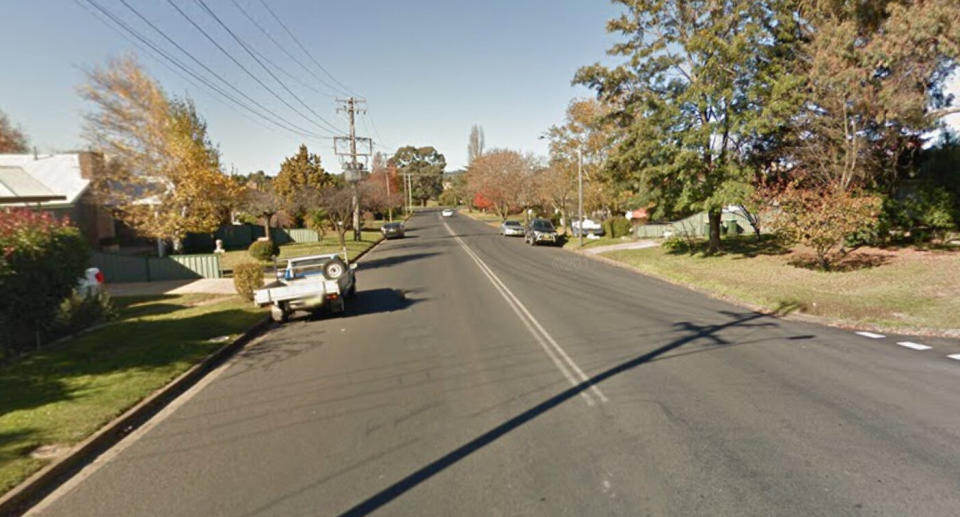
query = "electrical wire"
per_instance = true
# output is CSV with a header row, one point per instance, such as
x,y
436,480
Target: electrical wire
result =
x,y
207,68
239,64
265,68
285,51
159,51
345,90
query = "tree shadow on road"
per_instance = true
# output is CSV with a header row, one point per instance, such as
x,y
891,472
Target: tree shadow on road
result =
x,y
690,332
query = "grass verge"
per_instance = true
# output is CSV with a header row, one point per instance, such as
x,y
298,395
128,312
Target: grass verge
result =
x,y
328,244
898,290
58,396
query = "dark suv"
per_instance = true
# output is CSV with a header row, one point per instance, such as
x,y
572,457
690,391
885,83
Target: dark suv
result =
x,y
541,231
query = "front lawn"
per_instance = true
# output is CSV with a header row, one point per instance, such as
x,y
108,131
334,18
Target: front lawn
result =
x,y
898,289
328,244
60,395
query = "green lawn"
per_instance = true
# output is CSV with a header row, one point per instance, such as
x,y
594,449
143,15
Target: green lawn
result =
x,y
902,289
64,393
328,244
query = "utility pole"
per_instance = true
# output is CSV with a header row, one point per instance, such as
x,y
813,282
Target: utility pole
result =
x,y
354,163
580,189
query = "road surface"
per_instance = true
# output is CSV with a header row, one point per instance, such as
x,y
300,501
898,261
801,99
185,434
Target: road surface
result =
x,y
476,375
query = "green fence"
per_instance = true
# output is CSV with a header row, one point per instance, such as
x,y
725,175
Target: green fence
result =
x,y
697,225
121,268
241,236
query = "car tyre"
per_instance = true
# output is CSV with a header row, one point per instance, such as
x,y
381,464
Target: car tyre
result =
x,y
279,314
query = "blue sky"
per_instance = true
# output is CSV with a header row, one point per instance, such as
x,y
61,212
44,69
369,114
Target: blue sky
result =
x,y
428,69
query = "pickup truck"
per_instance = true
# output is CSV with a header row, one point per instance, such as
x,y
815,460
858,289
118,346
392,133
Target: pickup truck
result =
x,y
312,283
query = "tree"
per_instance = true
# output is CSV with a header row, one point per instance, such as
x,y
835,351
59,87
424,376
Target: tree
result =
x,y
700,84
299,173
262,203
12,139
425,165
822,217
874,77
338,204
475,146
382,190
163,174
501,179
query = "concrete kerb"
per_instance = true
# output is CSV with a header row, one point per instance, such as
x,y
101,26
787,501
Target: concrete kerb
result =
x,y
39,485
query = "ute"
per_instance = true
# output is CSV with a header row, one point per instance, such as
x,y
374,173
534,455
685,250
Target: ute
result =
x,y
313,283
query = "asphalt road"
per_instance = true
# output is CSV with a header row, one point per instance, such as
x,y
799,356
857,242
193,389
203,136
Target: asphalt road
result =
x,y
476,375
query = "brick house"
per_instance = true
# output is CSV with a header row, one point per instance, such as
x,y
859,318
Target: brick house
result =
x,y
60,184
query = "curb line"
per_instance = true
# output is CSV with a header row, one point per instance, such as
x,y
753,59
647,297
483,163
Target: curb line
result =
x,y
19,499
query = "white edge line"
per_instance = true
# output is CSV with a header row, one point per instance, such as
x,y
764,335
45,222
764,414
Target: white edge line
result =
x,y
870,335
913,346
954,356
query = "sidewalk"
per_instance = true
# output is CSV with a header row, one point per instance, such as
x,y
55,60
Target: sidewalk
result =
x,y
637,245
222,286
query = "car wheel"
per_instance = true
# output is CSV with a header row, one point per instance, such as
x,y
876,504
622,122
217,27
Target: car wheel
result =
x,y
334,269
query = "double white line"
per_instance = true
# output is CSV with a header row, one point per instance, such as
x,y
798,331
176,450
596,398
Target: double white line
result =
x,y
563,362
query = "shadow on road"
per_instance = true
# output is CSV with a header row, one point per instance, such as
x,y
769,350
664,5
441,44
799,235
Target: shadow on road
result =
x,y
692,332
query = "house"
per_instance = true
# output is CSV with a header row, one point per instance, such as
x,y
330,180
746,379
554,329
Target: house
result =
x,y
60,184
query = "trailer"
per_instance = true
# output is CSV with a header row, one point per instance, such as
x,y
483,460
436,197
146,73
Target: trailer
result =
x,y
313,283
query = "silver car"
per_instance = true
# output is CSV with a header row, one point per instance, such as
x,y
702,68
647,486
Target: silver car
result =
x,y
511,228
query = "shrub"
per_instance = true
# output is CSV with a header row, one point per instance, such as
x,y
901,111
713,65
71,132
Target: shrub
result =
x,y
617,227
41,259
247,278
78,312
676,243
823,217
263,250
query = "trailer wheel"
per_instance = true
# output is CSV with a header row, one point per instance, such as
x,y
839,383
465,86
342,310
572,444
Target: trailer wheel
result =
x,y
279,313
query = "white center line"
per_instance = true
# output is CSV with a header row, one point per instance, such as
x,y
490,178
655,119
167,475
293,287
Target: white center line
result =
x,y
557,354
914,346
954,356
870,335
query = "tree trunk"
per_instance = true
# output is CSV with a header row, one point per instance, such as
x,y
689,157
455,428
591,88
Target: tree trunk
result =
x,y
714,216
266,227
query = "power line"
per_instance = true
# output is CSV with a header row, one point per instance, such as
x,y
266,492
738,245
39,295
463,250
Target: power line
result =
x,y
305,51
284,50
153,46
239,64
265,68
208,69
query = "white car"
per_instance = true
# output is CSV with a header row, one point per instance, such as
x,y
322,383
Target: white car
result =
x,y
447,212
590,227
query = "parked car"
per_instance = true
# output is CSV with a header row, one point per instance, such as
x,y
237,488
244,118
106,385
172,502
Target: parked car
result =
x,y
313,283
508,228
541,231
590,227
91,283
447,212
392,230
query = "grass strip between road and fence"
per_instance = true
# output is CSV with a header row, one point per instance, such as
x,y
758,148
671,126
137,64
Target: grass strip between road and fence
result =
x,y
897,290
57,397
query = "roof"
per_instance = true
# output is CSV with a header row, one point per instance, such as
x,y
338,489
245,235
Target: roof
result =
x,y
26,176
